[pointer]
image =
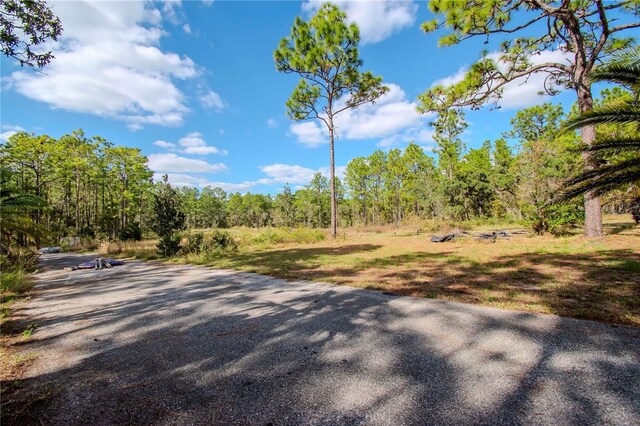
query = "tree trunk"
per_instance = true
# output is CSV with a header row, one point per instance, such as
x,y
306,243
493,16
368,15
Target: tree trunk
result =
x,y
592,208
332,168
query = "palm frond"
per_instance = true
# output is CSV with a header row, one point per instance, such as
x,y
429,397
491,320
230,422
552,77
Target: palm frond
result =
x,y
600,185
22,201
613,146
615,114
603,171
617,74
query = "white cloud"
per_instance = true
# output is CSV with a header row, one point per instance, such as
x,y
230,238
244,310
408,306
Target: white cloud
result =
x,y
285,173
186,28
392,117
522,92
191,143
181,180
164,144
212,100
294,174
308,133
271,123
108,63
377,20
207,2
192,139
175,163
9,131
232,187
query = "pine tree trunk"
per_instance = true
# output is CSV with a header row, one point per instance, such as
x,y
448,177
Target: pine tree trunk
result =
x,y
332,167
592,208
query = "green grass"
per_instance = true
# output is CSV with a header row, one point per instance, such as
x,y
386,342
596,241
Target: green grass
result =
x,y
14,282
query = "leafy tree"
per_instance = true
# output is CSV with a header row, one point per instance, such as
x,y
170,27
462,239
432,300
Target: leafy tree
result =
x,y
475,172
324,52
16,226
545,159
619,148
167,218
583,30
377,164
395,175
419,179
448,127
320,193
357,178
212,207
504,179
285,205
24,26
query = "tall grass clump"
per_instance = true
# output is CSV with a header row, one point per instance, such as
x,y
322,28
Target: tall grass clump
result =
x,y
207,242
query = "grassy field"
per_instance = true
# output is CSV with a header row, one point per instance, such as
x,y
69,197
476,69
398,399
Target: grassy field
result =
x,y
570,276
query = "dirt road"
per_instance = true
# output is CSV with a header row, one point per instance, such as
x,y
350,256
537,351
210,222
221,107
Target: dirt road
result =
x,y
149,343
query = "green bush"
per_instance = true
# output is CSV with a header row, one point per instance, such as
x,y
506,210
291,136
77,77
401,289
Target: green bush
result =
x,y
207,242
192,242
556,218
131,232
217,241
169,245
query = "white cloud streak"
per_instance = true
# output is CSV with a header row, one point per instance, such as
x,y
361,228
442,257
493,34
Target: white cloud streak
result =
x,y
377,20
173,163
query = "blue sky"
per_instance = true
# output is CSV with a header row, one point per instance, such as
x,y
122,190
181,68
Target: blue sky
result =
x,y
193,84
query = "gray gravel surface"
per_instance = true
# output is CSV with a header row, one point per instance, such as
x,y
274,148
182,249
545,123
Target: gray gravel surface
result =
x,y
149,343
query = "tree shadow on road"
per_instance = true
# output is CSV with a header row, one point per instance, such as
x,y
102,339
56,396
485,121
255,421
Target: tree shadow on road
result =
x,y
191,345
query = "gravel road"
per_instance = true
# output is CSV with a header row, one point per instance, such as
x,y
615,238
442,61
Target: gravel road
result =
x,y
149,343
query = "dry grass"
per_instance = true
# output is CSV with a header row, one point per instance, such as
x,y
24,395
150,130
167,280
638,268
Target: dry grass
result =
x,y
570,276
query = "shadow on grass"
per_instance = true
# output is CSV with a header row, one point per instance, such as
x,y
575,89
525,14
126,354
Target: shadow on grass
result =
x,y
604,286
601,286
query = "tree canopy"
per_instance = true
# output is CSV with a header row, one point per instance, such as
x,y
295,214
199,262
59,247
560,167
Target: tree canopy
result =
x,y
24,26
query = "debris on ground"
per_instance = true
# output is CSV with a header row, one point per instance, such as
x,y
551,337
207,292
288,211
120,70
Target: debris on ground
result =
x,y
494,235
486,236
447,237
49,250
99,263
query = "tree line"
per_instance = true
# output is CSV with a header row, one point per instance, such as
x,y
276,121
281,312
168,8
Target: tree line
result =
x,y
92,188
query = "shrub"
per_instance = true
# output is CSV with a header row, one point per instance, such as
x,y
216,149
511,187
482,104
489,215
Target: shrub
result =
x,y
207,242
217,241
192,242
169,245
131,232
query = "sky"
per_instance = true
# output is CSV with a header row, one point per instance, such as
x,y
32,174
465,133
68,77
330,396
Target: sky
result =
x,y
194,86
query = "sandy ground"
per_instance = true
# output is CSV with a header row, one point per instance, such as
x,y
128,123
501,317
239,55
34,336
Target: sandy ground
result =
x,y
149,343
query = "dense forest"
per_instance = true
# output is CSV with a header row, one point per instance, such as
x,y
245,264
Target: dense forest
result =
x,y
92,188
